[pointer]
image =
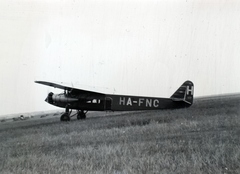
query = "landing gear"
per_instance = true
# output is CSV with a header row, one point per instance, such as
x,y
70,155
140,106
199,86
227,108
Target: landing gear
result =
x,y
81,115
66,116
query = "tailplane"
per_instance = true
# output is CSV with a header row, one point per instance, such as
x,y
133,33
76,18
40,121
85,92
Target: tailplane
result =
x,y
184,93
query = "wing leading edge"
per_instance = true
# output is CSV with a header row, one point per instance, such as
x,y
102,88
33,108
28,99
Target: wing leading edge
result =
x,y
67,88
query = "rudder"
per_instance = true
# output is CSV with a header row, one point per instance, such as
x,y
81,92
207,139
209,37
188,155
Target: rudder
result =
x,y
184,93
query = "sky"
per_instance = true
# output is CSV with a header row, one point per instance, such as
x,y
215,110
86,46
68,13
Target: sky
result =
x,y
144,47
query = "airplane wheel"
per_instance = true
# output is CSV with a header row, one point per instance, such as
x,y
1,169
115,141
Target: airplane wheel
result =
x,y
81,115
65,117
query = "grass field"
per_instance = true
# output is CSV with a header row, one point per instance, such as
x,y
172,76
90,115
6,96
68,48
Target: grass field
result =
x,y
201,139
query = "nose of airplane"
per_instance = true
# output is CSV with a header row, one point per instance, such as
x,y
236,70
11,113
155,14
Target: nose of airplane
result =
x,y
46,100
49,98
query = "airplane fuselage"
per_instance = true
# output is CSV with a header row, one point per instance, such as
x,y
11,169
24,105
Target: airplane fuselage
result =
x,y
113,102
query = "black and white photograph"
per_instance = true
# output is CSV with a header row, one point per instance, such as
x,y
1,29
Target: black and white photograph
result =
x,y
120,86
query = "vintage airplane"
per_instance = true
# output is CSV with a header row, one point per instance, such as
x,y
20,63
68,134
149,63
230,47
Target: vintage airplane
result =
x,y
84,100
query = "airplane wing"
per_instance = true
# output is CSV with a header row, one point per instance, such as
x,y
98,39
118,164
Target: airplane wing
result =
x,y
67,88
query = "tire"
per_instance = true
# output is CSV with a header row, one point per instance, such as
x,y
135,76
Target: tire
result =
x,y
65,117
81,115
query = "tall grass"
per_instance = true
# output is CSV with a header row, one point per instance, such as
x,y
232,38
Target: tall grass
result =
x,y
200,139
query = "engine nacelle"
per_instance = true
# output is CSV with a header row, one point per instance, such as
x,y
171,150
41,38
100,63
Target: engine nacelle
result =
x,y
63,98
59,98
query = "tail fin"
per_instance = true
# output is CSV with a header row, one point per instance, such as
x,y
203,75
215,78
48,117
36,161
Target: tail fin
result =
x,y
184,93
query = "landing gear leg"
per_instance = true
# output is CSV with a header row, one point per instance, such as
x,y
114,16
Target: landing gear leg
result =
x,y
66,116
81,115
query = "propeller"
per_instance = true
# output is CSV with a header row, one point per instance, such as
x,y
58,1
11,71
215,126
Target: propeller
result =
x,y
49,98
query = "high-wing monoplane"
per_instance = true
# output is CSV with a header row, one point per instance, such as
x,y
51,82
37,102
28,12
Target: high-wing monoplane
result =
x,y
84,100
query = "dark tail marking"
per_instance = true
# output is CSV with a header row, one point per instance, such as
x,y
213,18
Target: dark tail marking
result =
x,y
184,93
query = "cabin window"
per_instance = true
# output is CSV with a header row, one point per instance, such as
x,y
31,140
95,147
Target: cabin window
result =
x,y
98,101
